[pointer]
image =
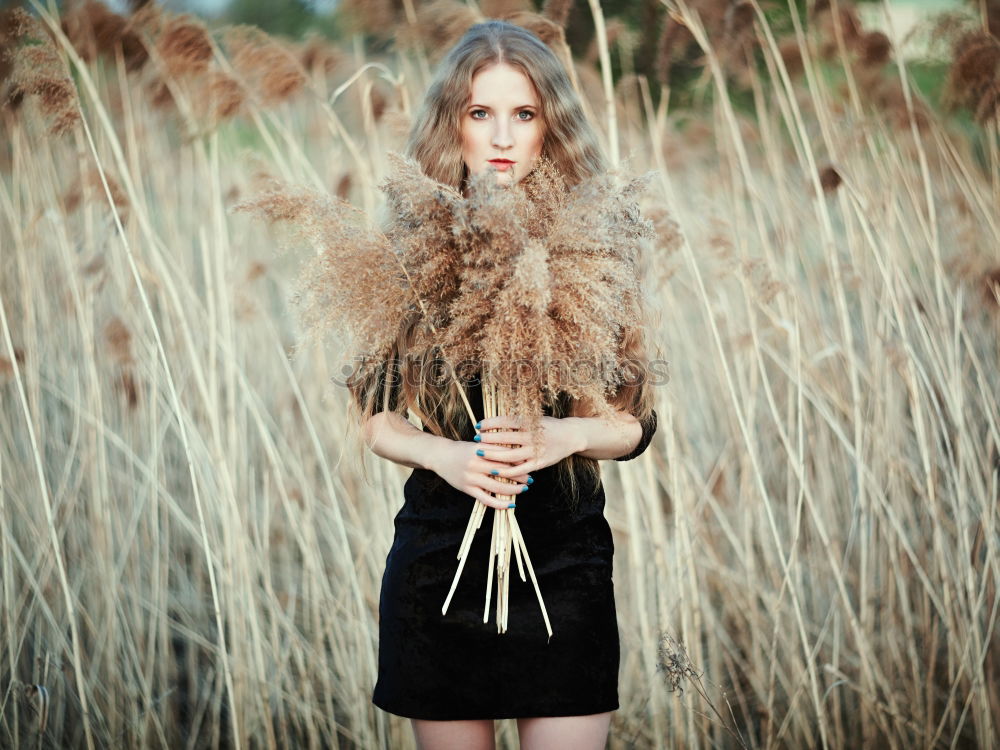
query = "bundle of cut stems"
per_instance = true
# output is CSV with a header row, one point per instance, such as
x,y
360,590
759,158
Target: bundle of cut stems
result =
x,y
506,537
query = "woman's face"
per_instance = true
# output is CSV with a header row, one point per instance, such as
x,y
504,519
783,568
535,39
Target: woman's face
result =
x,y
502,128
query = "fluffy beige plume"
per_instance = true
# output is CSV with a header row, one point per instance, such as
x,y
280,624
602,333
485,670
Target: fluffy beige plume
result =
x,y
39,71
549,287
490,234
356,283
534,286
422,218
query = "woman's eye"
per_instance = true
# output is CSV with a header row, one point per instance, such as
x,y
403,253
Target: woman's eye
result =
x,y
525,115
478,114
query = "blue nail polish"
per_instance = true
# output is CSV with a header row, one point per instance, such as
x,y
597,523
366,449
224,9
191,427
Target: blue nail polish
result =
x,y
480,452
530,481
494,472
512,505
478,438
478,425
525,489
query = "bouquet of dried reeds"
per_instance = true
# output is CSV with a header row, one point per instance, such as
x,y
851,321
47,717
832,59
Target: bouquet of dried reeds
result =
x,y
556,265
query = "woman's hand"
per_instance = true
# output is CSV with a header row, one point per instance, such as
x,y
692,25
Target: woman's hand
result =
x,y
461,466
555,439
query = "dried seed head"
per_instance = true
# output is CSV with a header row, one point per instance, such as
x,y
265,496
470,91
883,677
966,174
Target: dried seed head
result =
x,y
874,49
440,24
90,189
673,661
94,29
38,71
353,285
829,179
988,107
317,55
184,46
268,68
557,11
844,24
675,39
126,385
738,19
549,32
222,97
975,69
119,340
791,56
343,190
160,95
376,17
504,8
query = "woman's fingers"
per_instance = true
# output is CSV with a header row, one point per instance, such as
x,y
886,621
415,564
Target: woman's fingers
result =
x,y
487,499
503,421
492,454
494,485
515,471
510,437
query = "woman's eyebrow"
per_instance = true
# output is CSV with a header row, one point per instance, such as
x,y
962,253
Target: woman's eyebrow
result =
x,y
486,106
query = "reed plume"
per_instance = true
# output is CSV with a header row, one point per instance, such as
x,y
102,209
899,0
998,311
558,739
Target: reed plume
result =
x,y
974,75
420,227
89,187
376,17
222,98
439,25
95,30
557,11
550,32
505,8
547,287
492,233
268,68
318,56
38,71
184,46
354,284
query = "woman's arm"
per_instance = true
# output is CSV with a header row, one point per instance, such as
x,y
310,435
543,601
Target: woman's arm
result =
x,y
391,436
607,438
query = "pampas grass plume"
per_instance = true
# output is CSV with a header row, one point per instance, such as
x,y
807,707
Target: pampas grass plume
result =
x,y
94,29
439,25
557,11
184,46
975,73
268,69
353,284
40,72
422,217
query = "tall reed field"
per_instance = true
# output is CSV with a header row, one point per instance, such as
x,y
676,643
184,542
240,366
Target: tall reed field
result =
x,y
191,535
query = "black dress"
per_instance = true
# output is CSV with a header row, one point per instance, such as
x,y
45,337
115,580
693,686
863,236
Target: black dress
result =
x,y
454,666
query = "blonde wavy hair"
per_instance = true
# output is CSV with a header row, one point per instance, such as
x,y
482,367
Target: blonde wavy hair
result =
x,y
435,138
571,145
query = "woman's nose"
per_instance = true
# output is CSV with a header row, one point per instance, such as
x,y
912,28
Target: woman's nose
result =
x,y
502,137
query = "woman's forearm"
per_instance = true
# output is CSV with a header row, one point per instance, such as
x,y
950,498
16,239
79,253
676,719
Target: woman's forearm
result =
x,y
603,438
392,436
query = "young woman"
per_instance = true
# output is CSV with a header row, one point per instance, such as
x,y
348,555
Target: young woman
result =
x,y
500,100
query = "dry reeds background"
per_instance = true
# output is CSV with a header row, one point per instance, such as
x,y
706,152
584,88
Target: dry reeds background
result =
x,y
190,552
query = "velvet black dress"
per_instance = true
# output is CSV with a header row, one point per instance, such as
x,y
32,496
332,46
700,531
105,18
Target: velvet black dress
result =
x,y
455,666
